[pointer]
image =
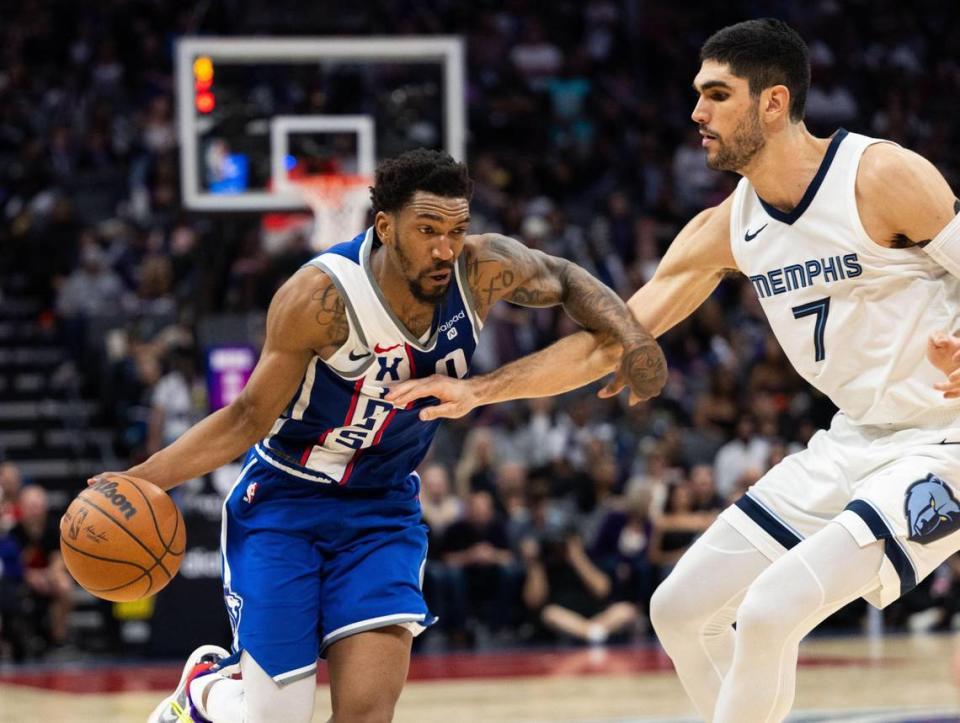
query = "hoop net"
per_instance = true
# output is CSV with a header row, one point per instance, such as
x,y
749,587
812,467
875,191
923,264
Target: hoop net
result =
x,y
339,203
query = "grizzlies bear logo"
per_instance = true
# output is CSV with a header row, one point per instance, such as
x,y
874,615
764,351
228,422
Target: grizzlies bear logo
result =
x,y
931,509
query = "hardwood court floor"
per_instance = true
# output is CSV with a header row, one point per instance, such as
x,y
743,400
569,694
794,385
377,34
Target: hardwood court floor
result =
x,y
896,679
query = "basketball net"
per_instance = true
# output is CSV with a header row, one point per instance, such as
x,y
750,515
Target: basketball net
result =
x,y
339,203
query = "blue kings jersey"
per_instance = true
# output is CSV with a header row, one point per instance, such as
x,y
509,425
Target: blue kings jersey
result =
x,y
338,429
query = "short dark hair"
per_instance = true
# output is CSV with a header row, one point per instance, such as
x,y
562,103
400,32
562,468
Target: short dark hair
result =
x,y
421,169
766,52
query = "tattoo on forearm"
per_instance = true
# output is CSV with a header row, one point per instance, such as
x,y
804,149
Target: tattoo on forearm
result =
x,y
644,364
590,303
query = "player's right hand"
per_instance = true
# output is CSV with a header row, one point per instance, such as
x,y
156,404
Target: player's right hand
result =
x,y
943,351
456,396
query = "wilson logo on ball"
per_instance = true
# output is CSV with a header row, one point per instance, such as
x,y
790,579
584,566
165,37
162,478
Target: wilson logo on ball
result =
x,y
109,490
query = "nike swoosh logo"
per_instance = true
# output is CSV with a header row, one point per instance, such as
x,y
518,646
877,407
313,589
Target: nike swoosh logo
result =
x,y
751,236
380,350
357,357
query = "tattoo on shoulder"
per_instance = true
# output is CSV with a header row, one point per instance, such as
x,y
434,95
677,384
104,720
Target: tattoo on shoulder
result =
x,y
331,314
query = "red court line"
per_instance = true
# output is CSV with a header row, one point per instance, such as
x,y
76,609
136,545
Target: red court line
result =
x,y
453,666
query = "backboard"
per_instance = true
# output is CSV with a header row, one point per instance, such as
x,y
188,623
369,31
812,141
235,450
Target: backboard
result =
x,y
240,99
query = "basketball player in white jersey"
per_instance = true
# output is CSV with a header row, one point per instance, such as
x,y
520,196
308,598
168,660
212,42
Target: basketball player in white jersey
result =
x,y
853,247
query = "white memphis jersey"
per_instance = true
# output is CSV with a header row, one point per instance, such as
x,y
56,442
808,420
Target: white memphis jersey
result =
x,y
853,317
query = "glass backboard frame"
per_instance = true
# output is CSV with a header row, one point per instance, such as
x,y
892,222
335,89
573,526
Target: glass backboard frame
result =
x,y
448,50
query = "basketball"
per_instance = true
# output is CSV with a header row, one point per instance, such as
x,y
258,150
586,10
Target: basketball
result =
x,y
122,538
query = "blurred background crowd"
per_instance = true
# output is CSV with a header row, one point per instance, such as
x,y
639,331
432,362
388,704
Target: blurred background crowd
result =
x,y
553,519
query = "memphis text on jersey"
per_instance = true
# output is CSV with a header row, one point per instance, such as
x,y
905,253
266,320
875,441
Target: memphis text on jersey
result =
x,y
800,276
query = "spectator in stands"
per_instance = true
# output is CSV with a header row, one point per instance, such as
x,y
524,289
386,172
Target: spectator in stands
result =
x,y
705,495
477,554
46,577
475,470
700,441
444,592
676,529
11,482
12,629
622,549
511,488
173,407
90,291
745,451
570,592
441,508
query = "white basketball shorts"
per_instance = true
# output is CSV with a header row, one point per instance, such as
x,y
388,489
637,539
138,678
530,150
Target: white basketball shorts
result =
x,y
900,486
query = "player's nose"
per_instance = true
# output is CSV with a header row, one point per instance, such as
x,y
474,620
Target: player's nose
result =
x,y
699,114
443,249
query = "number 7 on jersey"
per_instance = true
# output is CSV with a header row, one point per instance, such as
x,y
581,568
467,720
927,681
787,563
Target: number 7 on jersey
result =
x,y
820,308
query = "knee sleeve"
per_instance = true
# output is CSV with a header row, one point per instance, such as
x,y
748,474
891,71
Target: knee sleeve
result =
x,y
708,581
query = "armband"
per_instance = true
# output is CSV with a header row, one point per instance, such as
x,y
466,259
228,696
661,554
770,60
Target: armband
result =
x,y
944,248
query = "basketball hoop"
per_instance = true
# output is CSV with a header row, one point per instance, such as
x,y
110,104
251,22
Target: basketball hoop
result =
x,y
339,203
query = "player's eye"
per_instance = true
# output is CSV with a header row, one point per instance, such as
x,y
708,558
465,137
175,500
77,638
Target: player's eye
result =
x,y
426,230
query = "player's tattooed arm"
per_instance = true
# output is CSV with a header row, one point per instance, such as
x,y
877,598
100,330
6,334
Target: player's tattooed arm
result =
x,y
499,267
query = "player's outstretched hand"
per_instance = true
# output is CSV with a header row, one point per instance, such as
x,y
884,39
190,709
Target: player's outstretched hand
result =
x,y
95,477
643,369
943,351
456,396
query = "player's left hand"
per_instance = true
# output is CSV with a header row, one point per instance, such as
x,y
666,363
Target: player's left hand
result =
x,y
456,396
643,369
943,351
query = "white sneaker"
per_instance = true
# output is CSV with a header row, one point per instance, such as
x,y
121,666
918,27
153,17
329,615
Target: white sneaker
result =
x,y
178,708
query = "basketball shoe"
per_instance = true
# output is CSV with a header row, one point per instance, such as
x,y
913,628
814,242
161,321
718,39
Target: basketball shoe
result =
x,y
178,707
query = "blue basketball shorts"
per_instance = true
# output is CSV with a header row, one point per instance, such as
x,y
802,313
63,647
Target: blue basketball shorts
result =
x,y
306,565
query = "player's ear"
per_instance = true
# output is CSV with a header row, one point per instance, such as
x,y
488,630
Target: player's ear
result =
x,y
383,225
775,103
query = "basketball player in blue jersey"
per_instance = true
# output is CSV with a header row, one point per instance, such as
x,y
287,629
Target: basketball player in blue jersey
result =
x,y
852,245
323,546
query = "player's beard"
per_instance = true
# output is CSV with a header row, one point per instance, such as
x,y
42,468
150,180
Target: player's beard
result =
x,y
417,287
746,142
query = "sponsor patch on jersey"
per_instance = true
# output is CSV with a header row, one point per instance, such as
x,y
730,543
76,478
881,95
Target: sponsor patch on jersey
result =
x,y
931,509
450,322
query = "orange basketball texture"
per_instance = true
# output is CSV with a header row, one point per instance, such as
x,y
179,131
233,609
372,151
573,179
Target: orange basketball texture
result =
x,y
122,538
